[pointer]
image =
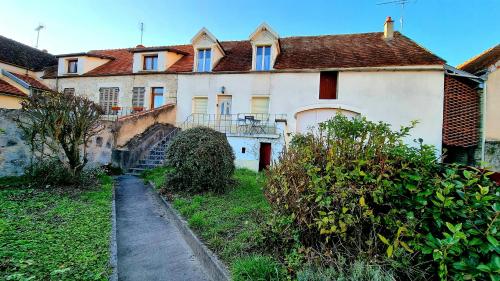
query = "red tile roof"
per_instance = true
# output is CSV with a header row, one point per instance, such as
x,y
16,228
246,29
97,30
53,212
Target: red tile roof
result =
x,y
482,61
305,52
9,89
31,81
461,112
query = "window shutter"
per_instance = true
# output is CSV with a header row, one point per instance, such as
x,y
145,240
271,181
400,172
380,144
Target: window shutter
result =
x,y
138,96
200,105
328,85
108,97
260,105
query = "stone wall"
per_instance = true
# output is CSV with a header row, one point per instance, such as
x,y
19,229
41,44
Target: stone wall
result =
x,y
14,152
492,155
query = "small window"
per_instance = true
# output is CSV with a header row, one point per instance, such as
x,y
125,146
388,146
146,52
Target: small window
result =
x,y
156,97
200,105
138,96
243,150
263,58
328,85
73,66
260,105
204,60
70,91
150,62
108,98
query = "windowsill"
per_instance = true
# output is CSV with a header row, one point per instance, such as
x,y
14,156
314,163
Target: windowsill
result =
x,y
145,71
71,74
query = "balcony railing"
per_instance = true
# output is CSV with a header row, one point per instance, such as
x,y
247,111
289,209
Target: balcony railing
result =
x,y
243,124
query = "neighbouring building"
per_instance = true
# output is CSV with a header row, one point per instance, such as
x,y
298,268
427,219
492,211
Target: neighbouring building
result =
x,y
21,69
486,66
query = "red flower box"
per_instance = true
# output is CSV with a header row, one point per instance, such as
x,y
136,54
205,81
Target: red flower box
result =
x,y
138,108
115,108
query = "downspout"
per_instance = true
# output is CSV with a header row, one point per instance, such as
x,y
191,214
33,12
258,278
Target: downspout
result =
x,y
483,122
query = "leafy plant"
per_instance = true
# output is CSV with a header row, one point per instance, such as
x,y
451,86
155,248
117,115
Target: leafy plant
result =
x,y
201,160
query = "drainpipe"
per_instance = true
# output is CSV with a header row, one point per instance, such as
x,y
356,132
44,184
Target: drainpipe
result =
x,y
483,121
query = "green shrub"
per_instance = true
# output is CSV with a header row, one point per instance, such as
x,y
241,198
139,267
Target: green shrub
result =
x,y
201,160
354,188
355,271
257,268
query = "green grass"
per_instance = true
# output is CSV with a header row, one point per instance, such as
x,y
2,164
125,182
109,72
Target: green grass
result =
x,y
55,235
156,175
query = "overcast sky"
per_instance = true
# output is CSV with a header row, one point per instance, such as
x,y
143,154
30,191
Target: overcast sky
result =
x,y
453,29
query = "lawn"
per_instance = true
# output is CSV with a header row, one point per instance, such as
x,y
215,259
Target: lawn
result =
x,y
231,224
55,234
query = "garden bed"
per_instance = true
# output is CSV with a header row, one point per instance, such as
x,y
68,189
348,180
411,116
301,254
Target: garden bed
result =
x,y
57,234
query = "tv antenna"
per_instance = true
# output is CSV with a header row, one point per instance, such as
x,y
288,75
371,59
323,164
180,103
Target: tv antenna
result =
x,y
398,2
37,29
141,27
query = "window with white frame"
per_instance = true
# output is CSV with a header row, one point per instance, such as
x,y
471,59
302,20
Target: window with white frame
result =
x,y
263,58
72,65
204,60
150,62
108,98
260,105
138,96
200,105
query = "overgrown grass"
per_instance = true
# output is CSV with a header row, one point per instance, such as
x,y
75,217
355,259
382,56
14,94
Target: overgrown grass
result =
x,y
156,175
55,235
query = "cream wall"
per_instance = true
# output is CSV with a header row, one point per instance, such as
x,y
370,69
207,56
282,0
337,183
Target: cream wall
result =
x,y
20,70
493,106
395,97
84,64
89,86
10,102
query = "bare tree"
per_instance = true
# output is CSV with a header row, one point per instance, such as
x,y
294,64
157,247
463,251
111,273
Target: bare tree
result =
x,y
60,125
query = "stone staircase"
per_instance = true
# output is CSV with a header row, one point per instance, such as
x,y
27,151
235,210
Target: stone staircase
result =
x,y
155,156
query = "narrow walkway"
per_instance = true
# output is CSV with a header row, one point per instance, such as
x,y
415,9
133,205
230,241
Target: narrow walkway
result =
x,y
149,246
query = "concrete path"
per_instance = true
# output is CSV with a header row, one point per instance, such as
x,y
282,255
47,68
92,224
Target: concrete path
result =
x,y
150,247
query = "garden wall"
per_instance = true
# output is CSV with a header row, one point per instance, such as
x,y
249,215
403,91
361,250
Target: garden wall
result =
x,y
14,152
492,155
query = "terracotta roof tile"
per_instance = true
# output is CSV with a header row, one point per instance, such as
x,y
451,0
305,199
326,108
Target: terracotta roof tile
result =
x,y
31,81
482,61
306,52
461,112
9,89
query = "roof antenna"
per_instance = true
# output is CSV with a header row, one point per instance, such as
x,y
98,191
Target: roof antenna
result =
x,y
37,29
141,27
398,2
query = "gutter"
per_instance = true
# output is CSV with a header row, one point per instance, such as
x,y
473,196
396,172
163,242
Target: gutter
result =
x,y
16,79
483,123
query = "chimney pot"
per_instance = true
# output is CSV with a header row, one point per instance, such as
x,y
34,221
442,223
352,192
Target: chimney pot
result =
x,y
388,28
139,46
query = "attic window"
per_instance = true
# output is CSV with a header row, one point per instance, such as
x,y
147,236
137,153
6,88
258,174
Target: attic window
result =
x,y
73,66
150,62
263,58
204,59
328,85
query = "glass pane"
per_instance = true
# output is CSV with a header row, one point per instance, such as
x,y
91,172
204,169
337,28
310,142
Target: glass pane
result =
x,y
267,58
207,60
158,101
155,63
258,59
201,54
158,91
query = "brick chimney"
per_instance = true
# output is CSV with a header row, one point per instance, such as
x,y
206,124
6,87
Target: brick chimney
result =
x,y
388,28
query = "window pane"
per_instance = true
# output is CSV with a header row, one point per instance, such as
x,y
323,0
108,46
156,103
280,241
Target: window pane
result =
x,y
158,101
258,59
207,60
155,63
201,54
158,91
267,58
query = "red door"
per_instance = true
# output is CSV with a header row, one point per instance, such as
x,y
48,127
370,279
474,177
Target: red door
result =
x,y
265,155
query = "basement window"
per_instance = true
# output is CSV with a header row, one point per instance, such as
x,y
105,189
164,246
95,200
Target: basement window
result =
x,y
328,85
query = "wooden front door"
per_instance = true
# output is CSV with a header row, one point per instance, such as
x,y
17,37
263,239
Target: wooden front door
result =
x,y
264,156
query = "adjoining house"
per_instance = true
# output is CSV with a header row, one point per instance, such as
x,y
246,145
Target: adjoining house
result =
x,y
485,66
21,69
262,90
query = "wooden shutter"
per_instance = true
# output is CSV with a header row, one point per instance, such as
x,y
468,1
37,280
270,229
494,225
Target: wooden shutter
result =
x,y
138,96
108,97
328,85
200,105
260,105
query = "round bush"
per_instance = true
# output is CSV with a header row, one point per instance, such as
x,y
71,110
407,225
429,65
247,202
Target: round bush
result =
x,y
202,160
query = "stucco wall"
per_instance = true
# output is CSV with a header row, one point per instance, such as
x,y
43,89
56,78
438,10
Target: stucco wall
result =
x,y
14,152
10,102
493,106
492,155
250,158
89,86
395,97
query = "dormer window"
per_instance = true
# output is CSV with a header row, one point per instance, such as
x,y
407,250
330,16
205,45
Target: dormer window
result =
x,y
73,66
204,59
263,58
150,62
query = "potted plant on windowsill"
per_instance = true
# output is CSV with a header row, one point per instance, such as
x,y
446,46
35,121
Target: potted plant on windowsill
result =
x,y
138,108
115,108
